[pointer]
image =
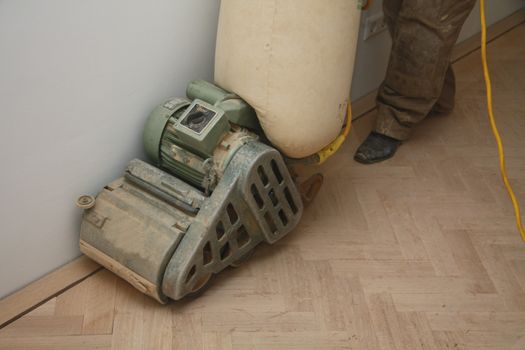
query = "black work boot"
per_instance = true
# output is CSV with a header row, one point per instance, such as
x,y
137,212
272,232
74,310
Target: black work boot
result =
x,y
376,148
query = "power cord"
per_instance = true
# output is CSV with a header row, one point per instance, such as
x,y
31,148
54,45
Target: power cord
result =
x,y
501,152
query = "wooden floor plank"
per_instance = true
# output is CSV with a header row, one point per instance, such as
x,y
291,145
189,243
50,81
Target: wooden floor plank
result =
x,y
45,288
93,342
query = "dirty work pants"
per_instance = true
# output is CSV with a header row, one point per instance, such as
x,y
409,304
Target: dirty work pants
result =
x,y
419,76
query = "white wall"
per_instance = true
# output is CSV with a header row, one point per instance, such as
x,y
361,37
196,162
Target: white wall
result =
x,y
372,55
77,80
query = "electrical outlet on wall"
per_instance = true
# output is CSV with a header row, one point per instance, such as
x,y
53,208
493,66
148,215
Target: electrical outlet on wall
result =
x,y
374,25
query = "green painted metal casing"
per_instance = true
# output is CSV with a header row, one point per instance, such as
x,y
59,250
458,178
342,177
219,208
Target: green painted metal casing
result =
x,y
182,134
201,127
236,109
157,122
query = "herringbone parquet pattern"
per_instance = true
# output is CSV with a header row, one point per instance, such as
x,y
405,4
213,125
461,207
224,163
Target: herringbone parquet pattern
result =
x,y
420,252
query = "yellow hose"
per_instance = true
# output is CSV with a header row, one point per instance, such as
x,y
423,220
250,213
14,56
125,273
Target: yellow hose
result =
x,y
332,148
497,136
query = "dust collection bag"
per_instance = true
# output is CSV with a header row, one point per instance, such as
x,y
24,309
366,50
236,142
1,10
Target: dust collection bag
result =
x,y
292,60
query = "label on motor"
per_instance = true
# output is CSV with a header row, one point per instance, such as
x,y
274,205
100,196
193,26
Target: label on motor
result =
x,y
198,118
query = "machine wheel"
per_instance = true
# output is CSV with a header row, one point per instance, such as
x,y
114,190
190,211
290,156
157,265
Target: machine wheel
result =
x,y
200,286
310,188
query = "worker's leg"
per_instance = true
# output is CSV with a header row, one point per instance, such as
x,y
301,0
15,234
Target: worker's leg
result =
x,y
425,34
391,10
423,37
445,103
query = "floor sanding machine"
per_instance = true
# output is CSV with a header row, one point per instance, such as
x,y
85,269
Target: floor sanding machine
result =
x,y
220,177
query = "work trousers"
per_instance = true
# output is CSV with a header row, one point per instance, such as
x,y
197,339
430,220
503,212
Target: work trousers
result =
x,y
419,78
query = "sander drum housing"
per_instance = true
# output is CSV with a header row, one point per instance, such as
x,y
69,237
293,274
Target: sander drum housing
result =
x,y
216,191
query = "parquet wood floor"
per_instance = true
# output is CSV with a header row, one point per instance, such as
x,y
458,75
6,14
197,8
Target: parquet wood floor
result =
x,y
420,252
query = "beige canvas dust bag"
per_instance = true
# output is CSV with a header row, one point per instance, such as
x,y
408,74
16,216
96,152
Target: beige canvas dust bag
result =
x,y
292,60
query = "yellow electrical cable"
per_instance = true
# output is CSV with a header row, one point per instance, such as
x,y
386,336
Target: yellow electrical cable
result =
x,y
332,148
497,136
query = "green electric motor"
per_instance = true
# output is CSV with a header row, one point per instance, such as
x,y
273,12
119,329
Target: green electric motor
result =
x,y
196,139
